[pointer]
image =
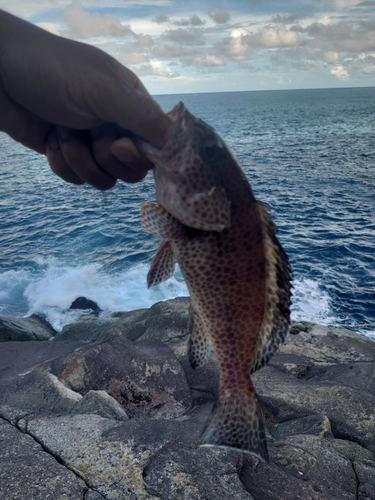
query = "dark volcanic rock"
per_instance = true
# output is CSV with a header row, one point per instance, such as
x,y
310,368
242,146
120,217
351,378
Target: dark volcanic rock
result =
x,y
166,321
31,328
85,304
121,408
90,328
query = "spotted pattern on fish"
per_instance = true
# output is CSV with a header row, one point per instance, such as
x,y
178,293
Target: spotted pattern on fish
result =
x,y
237,274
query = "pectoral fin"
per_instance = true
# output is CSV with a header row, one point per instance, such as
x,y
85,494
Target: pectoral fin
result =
x,y
162,265
156,220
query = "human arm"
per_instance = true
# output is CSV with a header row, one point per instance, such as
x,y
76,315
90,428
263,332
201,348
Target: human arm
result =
x,y
72,102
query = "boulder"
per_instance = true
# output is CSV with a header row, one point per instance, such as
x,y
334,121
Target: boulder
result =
x,y
21,329
85,304
117,413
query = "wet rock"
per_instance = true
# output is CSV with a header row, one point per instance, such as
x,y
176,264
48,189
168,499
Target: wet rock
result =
x,y
90,328
85,304
23,329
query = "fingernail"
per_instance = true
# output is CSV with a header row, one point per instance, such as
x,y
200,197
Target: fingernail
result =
x,y
64,133
125,150
53,141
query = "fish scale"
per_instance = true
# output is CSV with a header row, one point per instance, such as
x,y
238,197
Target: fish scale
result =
x,y
237,273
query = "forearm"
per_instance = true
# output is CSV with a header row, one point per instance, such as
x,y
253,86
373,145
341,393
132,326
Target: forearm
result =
x,y
14,30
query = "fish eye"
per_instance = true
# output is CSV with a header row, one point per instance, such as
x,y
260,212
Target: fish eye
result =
x,y
211,152
212,149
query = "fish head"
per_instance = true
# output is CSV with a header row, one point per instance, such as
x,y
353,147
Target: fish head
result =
x,y
188,173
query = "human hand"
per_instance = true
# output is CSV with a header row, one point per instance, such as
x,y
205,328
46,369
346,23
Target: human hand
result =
x,y
76,104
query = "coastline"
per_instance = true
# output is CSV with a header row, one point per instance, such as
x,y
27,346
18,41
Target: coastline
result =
x,y
110,408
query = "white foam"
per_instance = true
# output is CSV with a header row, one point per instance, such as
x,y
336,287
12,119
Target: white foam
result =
x,y
51,290
52,293
312,303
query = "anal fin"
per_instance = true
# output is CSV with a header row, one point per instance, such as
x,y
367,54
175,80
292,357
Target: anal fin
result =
x,y
162,265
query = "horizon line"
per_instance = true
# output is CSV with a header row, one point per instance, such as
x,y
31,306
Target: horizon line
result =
x,y
268,90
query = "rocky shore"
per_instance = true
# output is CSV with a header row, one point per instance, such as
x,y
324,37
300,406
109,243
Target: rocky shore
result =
x,y
109,408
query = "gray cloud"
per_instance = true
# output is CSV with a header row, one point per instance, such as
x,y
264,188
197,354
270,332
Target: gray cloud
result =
x,y
287,18
344,36
185,36
83,24
145,40
193,20
161,19
218,15
172,51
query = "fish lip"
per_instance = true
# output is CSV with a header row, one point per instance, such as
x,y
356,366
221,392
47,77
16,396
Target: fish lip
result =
x,y
183,121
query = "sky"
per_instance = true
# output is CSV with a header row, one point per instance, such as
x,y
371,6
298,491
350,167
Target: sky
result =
x,y
190,46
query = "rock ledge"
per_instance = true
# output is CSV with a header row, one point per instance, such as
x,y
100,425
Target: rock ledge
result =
x,y
110,409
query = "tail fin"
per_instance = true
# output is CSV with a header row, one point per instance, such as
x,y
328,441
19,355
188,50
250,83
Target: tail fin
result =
x,y
236,422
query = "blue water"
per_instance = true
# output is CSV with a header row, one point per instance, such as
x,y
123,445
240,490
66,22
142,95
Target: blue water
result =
x,y
308,154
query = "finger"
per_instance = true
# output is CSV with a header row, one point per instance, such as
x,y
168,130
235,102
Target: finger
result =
x,y
57,162
121,159
78,155
117,154
130,106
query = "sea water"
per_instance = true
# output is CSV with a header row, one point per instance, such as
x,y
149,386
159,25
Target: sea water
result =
x,y
308,154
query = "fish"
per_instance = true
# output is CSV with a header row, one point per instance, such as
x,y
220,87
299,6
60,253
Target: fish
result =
x,y
237,273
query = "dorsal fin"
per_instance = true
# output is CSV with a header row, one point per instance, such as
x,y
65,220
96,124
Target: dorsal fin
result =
x,y
276,319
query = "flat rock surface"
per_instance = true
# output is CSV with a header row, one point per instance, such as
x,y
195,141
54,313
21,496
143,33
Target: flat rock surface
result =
x,y
111,409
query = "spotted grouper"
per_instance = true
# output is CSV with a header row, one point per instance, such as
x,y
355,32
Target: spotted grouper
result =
x,y
237,273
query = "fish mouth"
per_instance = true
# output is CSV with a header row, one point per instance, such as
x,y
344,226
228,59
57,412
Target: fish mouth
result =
x,y
182,124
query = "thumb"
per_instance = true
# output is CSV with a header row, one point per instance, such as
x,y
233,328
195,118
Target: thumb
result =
x,y
128,104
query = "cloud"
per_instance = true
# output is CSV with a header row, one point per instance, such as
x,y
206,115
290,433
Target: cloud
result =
x,y
145,40
344,36
278,36
331,56
287,18
218,15
185,36
340,72
172,51
161,19
213,60
83,24
366,3
235,48
193,20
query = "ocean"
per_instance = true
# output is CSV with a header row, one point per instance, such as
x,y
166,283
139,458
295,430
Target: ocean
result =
x,y
308,154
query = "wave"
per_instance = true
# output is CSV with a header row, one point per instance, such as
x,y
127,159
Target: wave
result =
x,y
50,290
